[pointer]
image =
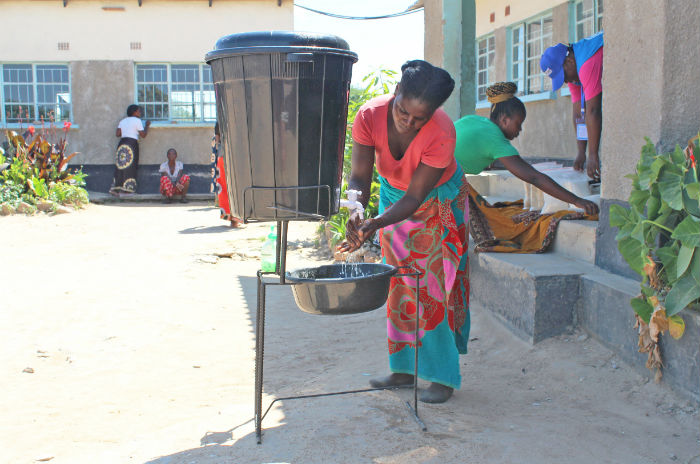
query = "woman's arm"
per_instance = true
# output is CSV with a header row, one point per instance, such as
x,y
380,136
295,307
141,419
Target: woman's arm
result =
x,y
362,169
594,122
144,132
119,132
580,160
523,171
361,180
424,179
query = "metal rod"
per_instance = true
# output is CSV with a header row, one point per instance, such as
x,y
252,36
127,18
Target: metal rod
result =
x,y
415,416
317,395
259,356
283,254
278,242
415,364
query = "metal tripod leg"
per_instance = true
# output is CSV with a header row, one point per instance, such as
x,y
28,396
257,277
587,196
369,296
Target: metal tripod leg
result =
x,y
259,356
414,408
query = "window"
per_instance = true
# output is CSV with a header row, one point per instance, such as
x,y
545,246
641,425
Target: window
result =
x,y
588,18
528,41
35,92
485,59
176,92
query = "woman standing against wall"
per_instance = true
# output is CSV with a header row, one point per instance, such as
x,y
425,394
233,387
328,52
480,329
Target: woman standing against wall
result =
x,y
127,159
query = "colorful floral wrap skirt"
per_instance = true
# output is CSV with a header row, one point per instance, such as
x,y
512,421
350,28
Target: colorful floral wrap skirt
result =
x,y
434,242
126,165
168,188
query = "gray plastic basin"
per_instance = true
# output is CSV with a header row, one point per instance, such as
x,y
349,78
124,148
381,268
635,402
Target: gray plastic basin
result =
x,y
341,288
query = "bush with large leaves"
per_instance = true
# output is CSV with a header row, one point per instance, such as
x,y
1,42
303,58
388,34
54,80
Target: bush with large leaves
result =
x,y
37,169
659,237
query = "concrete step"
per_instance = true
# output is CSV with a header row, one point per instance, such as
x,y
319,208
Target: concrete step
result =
x,y
538,296
533,294
499,183
576,239
604,311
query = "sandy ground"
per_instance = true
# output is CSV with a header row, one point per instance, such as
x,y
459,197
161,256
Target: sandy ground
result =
x,y
141,344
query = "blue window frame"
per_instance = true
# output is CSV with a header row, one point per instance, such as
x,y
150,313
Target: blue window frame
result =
x,y
176,92
34,93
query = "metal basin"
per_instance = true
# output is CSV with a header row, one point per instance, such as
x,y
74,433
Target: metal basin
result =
x,y
341,288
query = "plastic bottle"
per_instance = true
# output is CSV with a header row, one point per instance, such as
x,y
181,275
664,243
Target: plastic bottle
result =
x,y
268,254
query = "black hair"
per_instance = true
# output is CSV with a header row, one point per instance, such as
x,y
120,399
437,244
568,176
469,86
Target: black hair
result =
x,y
508,107
131,109
425,82
171,149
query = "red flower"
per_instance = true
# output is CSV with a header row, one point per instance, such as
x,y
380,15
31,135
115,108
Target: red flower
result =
x,y
692,159
31,130
66,126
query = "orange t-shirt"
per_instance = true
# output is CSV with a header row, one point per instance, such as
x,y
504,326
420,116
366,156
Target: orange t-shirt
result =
x,y
433,146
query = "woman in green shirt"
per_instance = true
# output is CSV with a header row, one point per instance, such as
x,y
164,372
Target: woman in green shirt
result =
x,y
481,141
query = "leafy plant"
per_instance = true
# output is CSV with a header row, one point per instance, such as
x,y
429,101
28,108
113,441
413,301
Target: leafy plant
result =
x,y
659,237
38,169
377,83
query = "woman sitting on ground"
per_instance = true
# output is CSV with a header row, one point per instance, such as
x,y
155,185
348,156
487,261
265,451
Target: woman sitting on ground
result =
x,y
173,180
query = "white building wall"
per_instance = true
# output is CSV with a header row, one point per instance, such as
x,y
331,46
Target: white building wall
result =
x,y
173,31
519,10
102,62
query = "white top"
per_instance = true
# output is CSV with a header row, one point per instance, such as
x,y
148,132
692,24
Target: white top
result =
x,y
165,169
130,127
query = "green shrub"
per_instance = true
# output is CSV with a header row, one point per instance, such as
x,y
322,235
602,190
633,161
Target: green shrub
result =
x,y
38,169
659,237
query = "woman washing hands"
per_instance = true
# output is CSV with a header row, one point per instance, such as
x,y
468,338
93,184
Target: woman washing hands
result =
x,y
422,224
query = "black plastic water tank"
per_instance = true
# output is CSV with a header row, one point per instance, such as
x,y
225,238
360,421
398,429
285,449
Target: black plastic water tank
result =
x,y
282,103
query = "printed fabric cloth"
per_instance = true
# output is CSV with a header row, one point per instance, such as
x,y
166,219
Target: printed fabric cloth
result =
x,y
218,183
168,188
126,166
506,227
433,242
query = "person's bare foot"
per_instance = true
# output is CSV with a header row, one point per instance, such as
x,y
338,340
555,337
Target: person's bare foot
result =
x,y
393,380
436,393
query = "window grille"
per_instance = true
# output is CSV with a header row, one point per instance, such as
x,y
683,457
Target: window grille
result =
x,y
528,41
176,92
485,67
35,93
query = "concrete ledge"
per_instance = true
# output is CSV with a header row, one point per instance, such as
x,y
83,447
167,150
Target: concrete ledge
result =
x,y
534,295
100,177
100,198
501,183
604,312
576,239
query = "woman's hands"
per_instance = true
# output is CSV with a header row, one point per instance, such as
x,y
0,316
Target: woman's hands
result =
x,y
587,206
357,232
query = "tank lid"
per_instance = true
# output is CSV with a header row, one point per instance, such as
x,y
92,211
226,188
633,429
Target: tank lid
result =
x,y
246,43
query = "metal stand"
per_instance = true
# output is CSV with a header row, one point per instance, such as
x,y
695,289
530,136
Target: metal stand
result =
x,y
280,270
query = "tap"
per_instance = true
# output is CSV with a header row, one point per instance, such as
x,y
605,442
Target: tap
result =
x,y
352,204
